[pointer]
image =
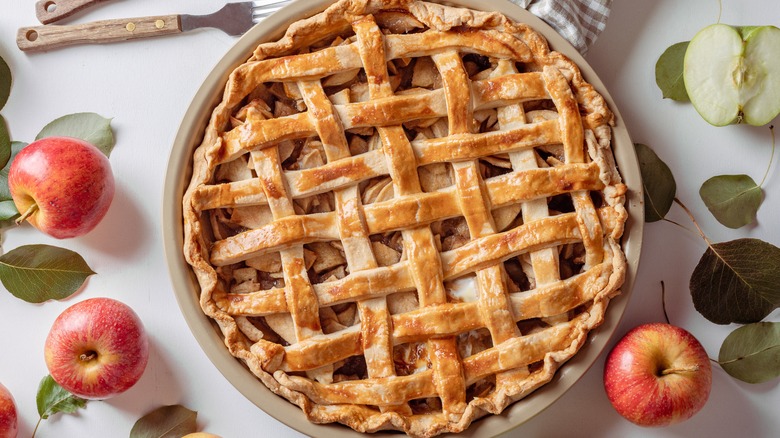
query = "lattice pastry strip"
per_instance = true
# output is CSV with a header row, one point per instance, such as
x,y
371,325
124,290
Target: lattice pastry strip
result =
x,y
419,244
544,266
300,297
330,255
573,138
544,262
374,315
496,311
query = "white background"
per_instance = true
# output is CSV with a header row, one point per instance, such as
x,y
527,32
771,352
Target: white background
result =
x,y
147,86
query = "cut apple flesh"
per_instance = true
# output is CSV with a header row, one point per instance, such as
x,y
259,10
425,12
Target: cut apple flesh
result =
x,y
733,74
763,53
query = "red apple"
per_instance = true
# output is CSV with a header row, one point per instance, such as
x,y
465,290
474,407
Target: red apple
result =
x,y
62,186
8,417
97,348
658,375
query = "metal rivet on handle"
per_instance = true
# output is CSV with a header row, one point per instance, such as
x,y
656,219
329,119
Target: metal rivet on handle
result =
x,y
130,27
159,24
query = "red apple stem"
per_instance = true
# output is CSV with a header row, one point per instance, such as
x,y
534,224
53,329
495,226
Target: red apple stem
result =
x,y
88,356
691,369
33,208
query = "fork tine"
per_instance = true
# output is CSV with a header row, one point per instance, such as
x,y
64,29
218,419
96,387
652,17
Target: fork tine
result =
x,y
262,9
261,4
262,14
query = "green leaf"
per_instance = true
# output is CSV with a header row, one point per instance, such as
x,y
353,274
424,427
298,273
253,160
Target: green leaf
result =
x,y
37,273
8,210
669,72
736,281
751,353
5,82
53,398
732,199
5,193
8,223
5,143
165,422
658,182
89,127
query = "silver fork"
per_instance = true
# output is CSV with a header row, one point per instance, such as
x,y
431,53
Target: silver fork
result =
x,y
233,19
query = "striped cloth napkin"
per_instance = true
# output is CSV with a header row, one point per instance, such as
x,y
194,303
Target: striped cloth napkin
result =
x,y
579,21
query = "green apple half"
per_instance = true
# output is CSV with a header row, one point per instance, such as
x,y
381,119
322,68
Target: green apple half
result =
x,y
732,74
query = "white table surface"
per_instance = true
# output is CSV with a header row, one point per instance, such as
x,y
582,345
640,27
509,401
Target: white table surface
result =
x,y
147,86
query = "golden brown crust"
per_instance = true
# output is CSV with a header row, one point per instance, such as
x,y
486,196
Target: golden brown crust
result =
x,y
343,188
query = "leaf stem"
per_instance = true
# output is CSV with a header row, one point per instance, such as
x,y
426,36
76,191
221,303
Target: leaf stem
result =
x,y
678,224
720,10
696,224
663,302
771,157
737,359
709,242
36,427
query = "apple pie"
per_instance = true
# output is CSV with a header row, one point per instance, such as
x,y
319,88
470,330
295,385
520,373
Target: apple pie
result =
x,y
406,216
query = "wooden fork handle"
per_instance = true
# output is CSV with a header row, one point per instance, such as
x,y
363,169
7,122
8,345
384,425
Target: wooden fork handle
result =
x,y
38,38
49,11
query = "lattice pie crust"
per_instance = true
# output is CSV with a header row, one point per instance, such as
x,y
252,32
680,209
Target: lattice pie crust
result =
x,y
405,215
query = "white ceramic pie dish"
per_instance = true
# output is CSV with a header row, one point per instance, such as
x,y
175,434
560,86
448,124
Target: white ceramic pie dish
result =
x,y
208,334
